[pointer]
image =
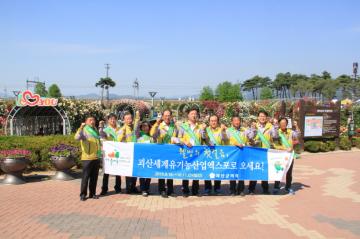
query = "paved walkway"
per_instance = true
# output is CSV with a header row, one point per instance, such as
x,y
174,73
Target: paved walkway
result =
x,y
326,205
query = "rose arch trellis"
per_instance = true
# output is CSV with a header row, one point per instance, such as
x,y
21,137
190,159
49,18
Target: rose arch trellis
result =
x,y
29,120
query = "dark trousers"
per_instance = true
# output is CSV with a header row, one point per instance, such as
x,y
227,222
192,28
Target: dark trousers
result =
x,y
288,178
208,185
264,185
130,184
240,186
169,184
106,183
194,188
145,184
89,178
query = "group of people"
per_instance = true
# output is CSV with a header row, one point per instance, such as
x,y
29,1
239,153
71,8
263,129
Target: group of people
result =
x,y
261,133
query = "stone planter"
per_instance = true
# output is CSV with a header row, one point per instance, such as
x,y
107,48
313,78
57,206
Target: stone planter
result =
x,y
63,165
14,167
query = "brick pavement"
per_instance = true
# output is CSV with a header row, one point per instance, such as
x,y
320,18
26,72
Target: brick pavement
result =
x,y
326,205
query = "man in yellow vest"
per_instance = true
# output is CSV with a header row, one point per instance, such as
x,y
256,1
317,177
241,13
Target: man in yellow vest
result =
x,y
237,136
127,133
264,139
191,133
91,154
284,140
110,133
216,135
164,131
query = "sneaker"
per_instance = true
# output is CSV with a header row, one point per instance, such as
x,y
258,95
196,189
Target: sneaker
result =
x,y
103,193
145,194
290,191
185,195
217,193
163,194
251,192
207,193
275,191
172,195
242,194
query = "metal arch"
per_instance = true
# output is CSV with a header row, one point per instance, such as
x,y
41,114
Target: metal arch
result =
x,y
16,109
9,119
66,122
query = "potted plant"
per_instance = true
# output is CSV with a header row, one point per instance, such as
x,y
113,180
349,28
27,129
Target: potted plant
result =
x,y
13,162
63,159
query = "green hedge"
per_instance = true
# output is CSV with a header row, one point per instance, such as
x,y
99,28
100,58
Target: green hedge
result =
x,y
356,142
39,147
345,143
319,146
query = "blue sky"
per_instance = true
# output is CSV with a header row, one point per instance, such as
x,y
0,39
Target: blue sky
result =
x,y
173,47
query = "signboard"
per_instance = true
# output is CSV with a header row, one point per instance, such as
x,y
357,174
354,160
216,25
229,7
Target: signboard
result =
x,y
320,120
28,98
313,126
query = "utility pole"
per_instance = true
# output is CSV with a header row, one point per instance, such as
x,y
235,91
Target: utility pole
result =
x,y
107,67
136,86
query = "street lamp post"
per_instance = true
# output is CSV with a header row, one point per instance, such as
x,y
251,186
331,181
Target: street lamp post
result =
x,y
351,123
152,95
355,69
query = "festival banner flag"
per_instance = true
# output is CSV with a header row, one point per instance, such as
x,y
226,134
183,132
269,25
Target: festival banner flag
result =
x,y
197,162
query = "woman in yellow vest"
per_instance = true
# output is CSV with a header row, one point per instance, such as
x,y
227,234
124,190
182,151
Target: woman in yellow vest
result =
x,y
143,136
216,135
284,140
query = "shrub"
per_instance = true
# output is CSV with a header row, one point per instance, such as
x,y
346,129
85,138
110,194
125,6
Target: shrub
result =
x,y
356,142
324,147
345,143
312,146
331,145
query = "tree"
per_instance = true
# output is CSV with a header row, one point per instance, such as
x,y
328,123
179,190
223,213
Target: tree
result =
x,y
40,89
329,91
227,91
105,84
207,93
54,91
255,83
266,93
282,84
301,85
346,84
249,85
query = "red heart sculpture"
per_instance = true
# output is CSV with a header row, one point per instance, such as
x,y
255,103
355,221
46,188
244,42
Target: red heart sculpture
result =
x,y
30,99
